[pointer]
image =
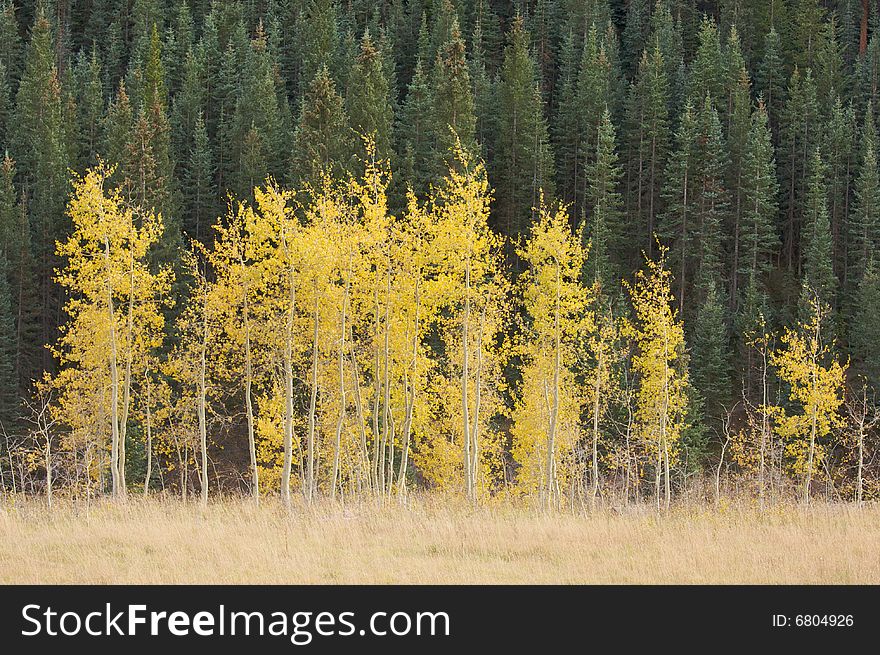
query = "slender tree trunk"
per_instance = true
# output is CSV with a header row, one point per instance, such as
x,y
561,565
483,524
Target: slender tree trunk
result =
x,y
248,396
377,390
387,434
341,364
596,390
288,392
149,426
765,428
410,387
554,411
310,470
48,461
478,387
809,478
118,490
465,374
361,419
203,427
126,389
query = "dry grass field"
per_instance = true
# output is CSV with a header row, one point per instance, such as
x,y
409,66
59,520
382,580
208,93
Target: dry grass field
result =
x,y
164,541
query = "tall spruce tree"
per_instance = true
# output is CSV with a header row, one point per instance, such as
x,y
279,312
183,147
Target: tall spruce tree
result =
x,y
323,137
523,162
819,278
864,224
452,115
798,139
649,142
41,147
369,101
604,225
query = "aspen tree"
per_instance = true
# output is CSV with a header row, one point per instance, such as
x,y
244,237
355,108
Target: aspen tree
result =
x,y
467,285
661,399
194,353
114,308
235,260
280,228
557,306
318,264
807,364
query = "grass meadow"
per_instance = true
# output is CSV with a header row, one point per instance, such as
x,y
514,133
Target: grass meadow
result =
x,y
434,540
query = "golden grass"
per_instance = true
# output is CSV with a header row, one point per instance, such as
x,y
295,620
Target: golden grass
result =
x,y
165,541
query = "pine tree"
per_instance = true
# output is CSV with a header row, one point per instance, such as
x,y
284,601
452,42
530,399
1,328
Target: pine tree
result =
x,y
708,70
635,33
90,107
41,147
255,134
413,132
523,162
770,78
369,101
580,114
798,139
760,188
9,411
10,41
604,213
864,335
711,357
200,193
819,278
323,143
837,153
452,115
697,200
318,40
864,226
738,130
649,137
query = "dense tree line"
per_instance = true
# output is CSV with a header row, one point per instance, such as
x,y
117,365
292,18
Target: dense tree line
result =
x,y
546,247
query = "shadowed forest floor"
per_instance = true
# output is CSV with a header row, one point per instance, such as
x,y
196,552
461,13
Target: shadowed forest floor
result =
x,y
433,541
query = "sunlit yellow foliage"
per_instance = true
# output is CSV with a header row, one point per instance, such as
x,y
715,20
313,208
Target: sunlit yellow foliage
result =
x,y
114,311
546,428
662,377
815,379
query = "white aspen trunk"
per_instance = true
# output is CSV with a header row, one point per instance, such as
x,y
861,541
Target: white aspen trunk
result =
x,y
860,475
149,442
465,373
596,390
341,364
387,436
248,396
361,419
377,390
554,412
288,392
809,478
126,389
765,428
310,458
478,384
117,489
48,457
203,427
411,399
